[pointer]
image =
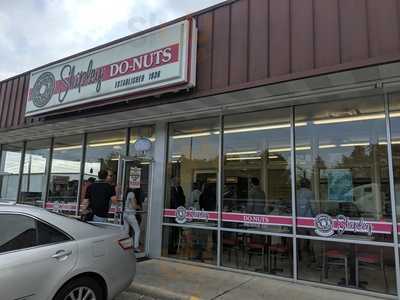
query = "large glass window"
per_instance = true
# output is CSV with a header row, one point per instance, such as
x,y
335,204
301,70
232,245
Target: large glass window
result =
x,y
342,182
257,253
191,189
394,106
9,171
65,174
34,173
193,244
102,153
257,187
347,265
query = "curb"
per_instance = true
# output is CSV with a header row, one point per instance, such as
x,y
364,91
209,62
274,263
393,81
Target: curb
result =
x,y
158,293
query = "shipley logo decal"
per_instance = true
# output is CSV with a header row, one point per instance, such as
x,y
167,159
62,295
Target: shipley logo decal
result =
x,y
43,89
323,225
184,215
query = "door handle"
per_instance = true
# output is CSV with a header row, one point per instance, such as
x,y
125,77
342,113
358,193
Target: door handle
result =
x,y
61,254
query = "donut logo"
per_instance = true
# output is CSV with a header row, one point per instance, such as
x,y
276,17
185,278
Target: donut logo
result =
x,y
42,90
181,215
323,225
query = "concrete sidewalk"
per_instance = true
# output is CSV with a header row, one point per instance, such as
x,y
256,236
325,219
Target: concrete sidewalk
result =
x,y
170,280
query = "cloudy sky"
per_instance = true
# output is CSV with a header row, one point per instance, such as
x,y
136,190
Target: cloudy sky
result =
x,y
35,32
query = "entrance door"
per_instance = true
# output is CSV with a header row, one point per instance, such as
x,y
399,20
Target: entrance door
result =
x,y
136,180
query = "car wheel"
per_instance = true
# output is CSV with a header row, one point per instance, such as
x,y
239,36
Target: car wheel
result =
x,y
84,288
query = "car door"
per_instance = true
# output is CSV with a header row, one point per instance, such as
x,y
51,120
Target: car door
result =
x,y
34,257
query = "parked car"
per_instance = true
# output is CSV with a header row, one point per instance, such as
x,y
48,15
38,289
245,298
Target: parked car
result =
x,y
46,256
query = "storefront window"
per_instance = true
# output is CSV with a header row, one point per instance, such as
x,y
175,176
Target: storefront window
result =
x,y
192,171
9,171
257,253
257,187
102,153
198,245
65,175
342,182
136,145
34,174
394,106
348,265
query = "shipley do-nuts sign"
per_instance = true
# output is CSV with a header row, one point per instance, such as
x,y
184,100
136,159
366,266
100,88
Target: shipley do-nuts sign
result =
x,y
161,60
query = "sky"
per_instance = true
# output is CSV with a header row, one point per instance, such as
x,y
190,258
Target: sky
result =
x,y
36,32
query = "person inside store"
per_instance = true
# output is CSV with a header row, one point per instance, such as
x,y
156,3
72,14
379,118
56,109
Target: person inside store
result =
x,y
194,199
304,198
256,202
177,195
130,221
177,198
100,195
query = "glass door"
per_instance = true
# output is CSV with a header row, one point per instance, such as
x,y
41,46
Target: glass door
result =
x,y
136,184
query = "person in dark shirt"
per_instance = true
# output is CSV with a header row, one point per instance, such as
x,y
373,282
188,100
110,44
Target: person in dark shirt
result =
x,y
99,195
177,195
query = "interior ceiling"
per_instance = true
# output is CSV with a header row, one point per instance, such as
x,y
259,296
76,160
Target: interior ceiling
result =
x,y
335,86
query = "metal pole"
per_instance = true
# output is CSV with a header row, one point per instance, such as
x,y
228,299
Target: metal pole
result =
x,y
45,193
293,183
21,171
392,193
81,174
220,185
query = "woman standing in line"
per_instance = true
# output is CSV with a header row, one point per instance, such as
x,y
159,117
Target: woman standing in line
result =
x,y
131,205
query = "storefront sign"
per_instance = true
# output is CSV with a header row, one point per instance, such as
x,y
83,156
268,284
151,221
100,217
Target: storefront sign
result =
x,y
148,64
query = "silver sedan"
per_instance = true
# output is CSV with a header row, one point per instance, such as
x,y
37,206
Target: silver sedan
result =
x,y
46,256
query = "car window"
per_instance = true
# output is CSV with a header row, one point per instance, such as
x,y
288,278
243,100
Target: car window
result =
x,y
17,232
49,235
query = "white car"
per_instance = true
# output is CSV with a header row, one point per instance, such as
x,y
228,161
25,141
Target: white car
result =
x,y
46,256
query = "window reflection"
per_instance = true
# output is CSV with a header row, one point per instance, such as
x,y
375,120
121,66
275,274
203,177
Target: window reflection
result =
x,y
34,173
257,171
9,171
343,168
65,175
348,265
102,153
192,172
394,106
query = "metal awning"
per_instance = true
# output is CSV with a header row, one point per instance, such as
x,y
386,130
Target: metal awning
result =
x,y
354,83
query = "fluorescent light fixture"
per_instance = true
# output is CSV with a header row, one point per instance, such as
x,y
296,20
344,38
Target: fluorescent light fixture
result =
x,y
114,158
145,163
393,143
273,156
326,146
350,119
176,155
354,144
67,148
107,144
244,158
184,136
279,150
150,139
174,161
241,153
259,128
394,114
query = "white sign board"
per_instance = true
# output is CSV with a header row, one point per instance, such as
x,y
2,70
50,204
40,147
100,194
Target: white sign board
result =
x,y
134,178
161,60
